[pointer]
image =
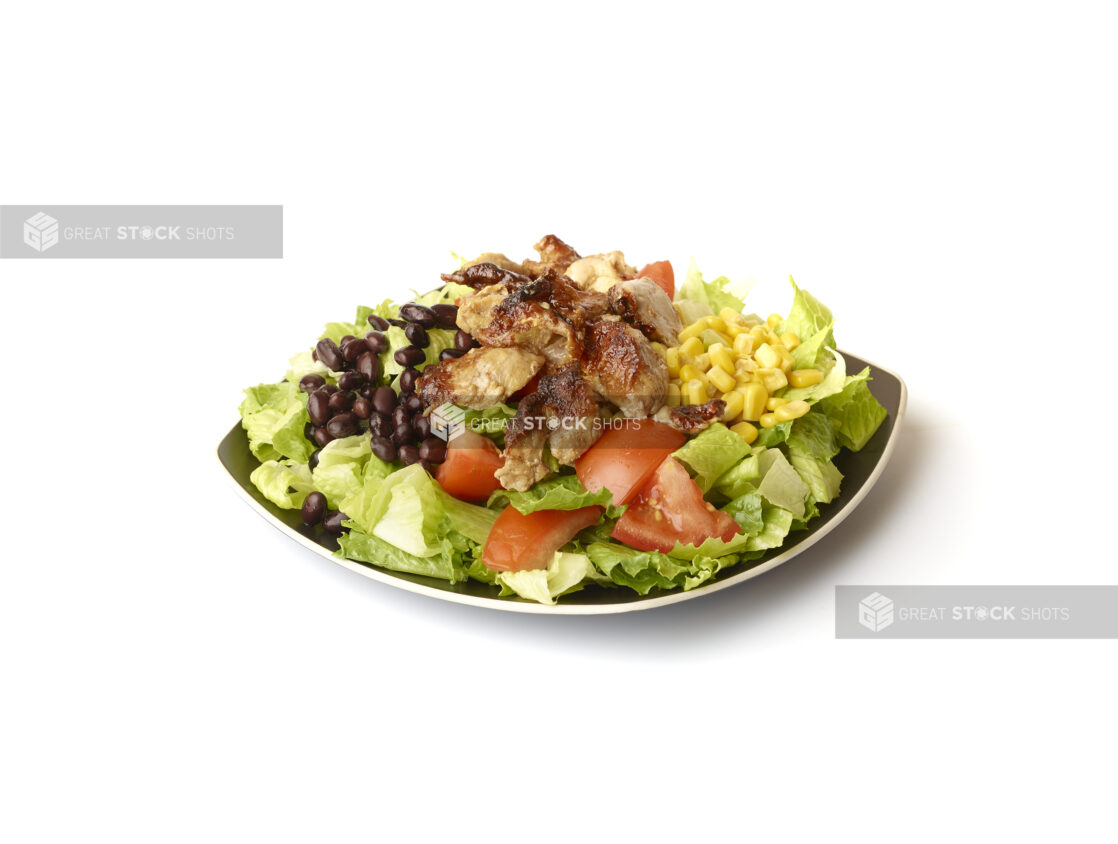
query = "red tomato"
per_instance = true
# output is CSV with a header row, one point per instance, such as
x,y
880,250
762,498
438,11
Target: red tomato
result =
x,y
662,273
519,542
623,459
467,472
671,509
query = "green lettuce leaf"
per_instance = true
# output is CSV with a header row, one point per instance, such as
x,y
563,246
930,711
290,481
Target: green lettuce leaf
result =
x,y
781,485
403,509
274,415
769,437
448,294
822,477
644,571
740,478
814,435
855,412
716,295
710,454
284,483
777,524
832,382
746,511
446,563
567,572
340,472
563,492
807,318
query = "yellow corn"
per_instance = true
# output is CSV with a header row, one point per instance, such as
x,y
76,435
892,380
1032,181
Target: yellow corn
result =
x,y
693,330
690,347
768,357
730,316
791,410
759,335
674,397
702,362
717,323
774,320
721,379
746,431
773,379
688,372
786,359
753,404
805,377
789,340
735,401
694,391
671,358
721,357
773,403
743,344
768,420
733,329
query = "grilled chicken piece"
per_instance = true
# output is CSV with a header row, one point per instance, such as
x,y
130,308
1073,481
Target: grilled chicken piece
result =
x,y
479,379
600,272
498,259
644,305
562,412
554,255
692,418
547,315
623,368
486,273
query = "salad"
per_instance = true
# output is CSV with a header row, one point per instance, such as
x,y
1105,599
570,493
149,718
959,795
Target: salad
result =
x,y
563,423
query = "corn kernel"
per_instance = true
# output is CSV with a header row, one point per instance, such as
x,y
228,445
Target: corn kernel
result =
x,y
717,323
767,356
786,360
773,379
729,316
754,398
768,420
790,340
743,344
805,377
774,320
758,334
671,358
674,396
746,431
722,358
721,379
688,372
791,410
694,391
735,401
702,362
693,330
690,347
733,329
774,402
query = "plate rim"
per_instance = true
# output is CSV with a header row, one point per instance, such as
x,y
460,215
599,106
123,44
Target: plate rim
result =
x,y
560,608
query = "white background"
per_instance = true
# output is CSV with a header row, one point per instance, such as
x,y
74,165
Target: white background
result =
x,y
173,669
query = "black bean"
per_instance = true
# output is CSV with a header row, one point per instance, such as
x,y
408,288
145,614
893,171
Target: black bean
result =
x,y
417,334
308,430
399,323
400,416
380,425
376,342
368,365
342,425
408,454
314,354
447,354
351,380
384,400
433,449
330,389
310,383
367,391
315,455
322,437
413,404
403,434
445,315
314,507
341,402
383,449
353,348
407,379
329,353
422,426
362,408
345,340
463,340
377,322
419,314
410,356
333,522
318,407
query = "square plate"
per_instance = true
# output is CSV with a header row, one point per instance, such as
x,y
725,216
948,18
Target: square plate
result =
x,y
860,471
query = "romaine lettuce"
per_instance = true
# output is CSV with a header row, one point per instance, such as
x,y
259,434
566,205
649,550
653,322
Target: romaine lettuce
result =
x,y
855,411
273,416
711,453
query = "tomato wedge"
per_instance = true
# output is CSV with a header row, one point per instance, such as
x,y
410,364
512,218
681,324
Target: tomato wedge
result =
x,y
662,273
624,458
670,509
467,472
520,541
